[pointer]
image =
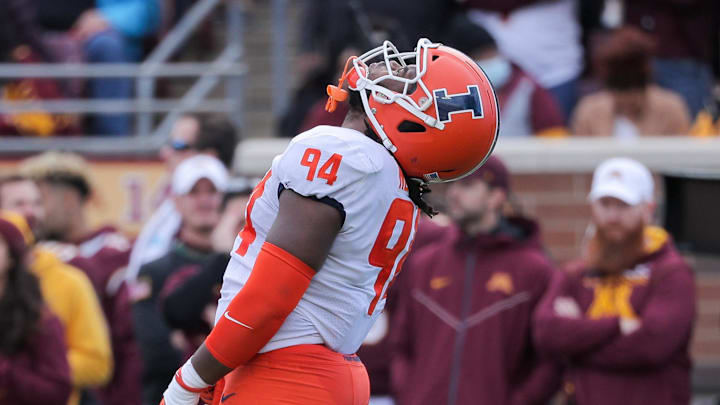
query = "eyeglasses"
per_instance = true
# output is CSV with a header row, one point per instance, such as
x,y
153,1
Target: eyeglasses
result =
x,y
180,146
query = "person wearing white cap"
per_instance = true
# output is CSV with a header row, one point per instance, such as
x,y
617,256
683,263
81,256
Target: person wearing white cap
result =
x,y
197,188
622,315
191,134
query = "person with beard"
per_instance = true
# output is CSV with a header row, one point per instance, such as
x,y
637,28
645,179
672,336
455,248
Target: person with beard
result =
x,y
102,253
622,316
461,326
198,184
66,289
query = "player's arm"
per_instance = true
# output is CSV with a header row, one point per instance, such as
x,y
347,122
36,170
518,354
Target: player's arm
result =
x,y
295,248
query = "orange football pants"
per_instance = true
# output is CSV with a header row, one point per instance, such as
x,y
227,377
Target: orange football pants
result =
x,y
299,375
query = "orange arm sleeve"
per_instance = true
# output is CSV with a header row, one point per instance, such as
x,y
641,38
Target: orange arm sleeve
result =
x,y
276,284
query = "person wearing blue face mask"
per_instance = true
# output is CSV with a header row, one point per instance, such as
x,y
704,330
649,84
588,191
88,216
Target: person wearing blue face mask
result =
x,y
526,108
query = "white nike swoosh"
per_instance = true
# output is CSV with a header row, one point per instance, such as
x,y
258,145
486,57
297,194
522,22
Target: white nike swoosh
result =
x,y
227,315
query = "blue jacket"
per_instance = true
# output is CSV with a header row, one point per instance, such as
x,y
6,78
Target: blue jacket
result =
x,y
133,18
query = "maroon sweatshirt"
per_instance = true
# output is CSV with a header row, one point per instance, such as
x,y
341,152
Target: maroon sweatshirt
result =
x,y
651,365
461,325
103,256
39,374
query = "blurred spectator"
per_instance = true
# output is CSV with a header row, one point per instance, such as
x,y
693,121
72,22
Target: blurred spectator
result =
x,y
18,26
542,37
686,30
707,121
629,105
317,114
197,186
70,296
309,92
109,31
22,41
461,326
101,253
331,25
622,316
189,297
191,134
33,363
525,107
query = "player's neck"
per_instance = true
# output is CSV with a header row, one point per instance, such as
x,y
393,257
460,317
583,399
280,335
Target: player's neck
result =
x,y
354,120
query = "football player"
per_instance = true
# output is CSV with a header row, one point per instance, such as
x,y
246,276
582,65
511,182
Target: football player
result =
x,y
330,224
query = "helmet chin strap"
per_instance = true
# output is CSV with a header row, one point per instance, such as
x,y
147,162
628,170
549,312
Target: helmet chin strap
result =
x,y
376,125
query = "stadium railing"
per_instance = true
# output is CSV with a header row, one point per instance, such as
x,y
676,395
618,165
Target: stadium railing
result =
x,y
226,68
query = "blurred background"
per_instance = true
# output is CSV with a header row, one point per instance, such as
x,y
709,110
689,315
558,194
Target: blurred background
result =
x,y
578,81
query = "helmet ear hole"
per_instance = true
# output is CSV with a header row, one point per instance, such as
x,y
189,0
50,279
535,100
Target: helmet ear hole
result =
x,y
411,126
434,57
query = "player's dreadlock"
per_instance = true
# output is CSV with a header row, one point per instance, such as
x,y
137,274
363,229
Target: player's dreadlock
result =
x,y
417,188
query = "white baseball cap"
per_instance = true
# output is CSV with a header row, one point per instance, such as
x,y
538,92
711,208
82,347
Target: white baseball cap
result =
x,y
625,179
192,169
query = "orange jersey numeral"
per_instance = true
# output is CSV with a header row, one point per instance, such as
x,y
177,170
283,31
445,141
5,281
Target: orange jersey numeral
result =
x,y
328,171
384,256
248,233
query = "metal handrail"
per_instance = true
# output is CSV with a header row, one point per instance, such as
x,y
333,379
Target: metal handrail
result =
x,y
197,93
226,69
104,146
95,70
145,87
111,106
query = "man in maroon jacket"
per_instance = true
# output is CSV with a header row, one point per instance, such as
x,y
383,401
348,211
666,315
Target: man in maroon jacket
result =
x,y
461,324
622,316
101,253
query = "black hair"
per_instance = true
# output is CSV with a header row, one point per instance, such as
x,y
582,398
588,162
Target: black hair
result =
x,y
20,306
68,179
468,37
218,134
417,188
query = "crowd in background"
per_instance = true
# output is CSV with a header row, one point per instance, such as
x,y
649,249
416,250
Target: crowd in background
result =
x,y
560,67
481,313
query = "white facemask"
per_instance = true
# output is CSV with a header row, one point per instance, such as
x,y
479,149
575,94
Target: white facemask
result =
x,y
498,70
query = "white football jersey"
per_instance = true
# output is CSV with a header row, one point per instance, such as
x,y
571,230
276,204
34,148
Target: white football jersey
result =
x,y
361,178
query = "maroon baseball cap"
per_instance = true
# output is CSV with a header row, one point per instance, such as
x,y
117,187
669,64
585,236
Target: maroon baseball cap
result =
x,y
494,173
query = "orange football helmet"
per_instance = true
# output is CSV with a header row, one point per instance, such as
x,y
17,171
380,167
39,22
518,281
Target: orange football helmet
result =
x,y
444,124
